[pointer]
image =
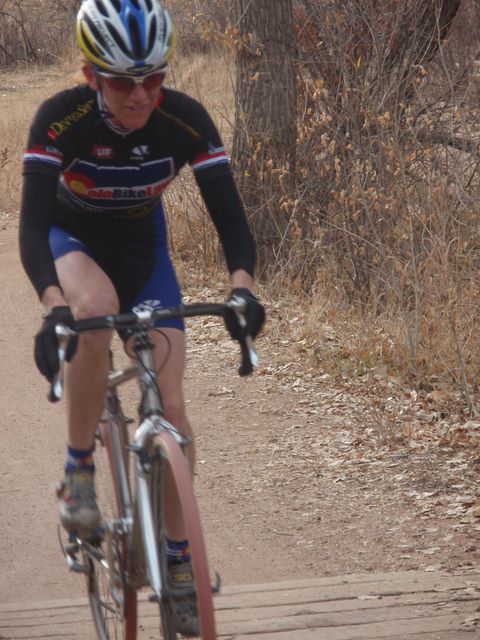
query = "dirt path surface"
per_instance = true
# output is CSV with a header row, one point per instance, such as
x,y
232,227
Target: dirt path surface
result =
x,y
298,475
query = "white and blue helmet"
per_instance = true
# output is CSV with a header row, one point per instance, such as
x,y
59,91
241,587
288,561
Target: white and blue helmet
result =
x,y
128,37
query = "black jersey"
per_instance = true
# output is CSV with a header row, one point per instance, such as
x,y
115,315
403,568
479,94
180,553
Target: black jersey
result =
x,y
105,169
109,180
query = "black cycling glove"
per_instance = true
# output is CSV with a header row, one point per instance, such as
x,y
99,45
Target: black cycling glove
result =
x,y
254,315
46,342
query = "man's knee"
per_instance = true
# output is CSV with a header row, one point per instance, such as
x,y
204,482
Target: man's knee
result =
x,y
95,304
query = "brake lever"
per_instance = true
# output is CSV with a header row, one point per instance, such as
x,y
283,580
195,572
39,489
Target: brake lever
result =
x,y
238,304
64,334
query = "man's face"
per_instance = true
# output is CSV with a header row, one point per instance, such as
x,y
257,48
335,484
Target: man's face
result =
x,y
130,103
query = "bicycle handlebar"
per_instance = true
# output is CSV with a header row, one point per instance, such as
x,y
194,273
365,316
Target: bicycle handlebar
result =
x,y
146,318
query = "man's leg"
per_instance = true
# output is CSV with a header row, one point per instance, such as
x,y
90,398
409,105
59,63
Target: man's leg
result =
x,y
89,292
171,345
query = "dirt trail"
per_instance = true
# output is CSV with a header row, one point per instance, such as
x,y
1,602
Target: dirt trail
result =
x,y
291,482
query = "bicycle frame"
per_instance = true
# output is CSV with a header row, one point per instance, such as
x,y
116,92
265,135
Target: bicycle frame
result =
x,y
132,557
138,524
152,424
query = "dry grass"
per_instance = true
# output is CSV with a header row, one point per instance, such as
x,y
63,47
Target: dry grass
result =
x,y
193,239
21,92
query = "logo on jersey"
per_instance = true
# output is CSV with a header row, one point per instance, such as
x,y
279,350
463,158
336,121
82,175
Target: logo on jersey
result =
x,y
141,152
117,187
57,128
102,153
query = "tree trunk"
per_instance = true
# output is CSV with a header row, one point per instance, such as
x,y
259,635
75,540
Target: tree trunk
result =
x,y
265,120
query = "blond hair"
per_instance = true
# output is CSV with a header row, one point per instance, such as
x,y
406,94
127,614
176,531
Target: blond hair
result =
x,y
79,76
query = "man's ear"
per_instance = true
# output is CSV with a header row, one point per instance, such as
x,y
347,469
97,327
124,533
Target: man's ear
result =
x,y
90,76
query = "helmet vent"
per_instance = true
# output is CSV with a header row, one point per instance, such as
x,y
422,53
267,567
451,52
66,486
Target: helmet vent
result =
x,y
136,38
95,33
118,5
153,33
149,5
101,8
118,40
136,4
86,42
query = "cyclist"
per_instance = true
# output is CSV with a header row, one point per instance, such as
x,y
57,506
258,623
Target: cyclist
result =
x,y
93,233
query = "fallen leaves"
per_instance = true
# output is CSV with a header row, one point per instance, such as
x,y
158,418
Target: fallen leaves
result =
x,y
337,450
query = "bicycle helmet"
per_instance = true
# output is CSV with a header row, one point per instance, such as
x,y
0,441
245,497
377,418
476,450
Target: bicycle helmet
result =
x,y
127,37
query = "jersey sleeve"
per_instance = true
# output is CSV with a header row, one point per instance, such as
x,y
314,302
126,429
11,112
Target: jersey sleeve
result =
x,y
206,154
53,133
224,205
38,202
43,154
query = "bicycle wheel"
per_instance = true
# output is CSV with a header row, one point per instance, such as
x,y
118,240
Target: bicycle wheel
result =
x,y
112,603
170,456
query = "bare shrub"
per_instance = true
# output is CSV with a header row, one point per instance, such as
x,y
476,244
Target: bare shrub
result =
x,y
35,31
385,212
42,31
194,21
383,220
192,235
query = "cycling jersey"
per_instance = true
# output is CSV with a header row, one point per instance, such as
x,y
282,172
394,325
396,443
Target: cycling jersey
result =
x,y
103,184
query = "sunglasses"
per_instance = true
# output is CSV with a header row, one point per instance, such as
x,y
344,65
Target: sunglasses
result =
x,y
126,84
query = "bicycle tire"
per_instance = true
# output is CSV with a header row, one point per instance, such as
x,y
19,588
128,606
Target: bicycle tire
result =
x,y
170,453
157,493
113,618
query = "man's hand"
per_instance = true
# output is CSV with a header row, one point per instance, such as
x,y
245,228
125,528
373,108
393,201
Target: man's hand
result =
x,y
46,342
254,315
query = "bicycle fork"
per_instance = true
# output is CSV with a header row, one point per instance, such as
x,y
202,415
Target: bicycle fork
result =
x,y
143,467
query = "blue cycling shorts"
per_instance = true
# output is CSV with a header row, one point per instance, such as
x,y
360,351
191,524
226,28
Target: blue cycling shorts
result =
x,y
142,275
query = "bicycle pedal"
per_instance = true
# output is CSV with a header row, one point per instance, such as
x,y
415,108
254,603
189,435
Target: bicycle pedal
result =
x,y
74,565
153,598
70,554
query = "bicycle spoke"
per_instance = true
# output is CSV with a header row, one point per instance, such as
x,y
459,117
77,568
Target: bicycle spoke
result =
x,y
113,606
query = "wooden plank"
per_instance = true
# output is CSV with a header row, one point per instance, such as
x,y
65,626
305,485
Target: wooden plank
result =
x,y
287,618
379,632
426,629
361,610
349,585
44,605
348,593
413,605
237,612
400,578
40,614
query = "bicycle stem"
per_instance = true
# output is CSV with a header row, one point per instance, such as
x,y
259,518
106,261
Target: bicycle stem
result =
x,y
144,433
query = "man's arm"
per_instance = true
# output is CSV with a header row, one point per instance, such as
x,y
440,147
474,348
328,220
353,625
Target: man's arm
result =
x,y
38,202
